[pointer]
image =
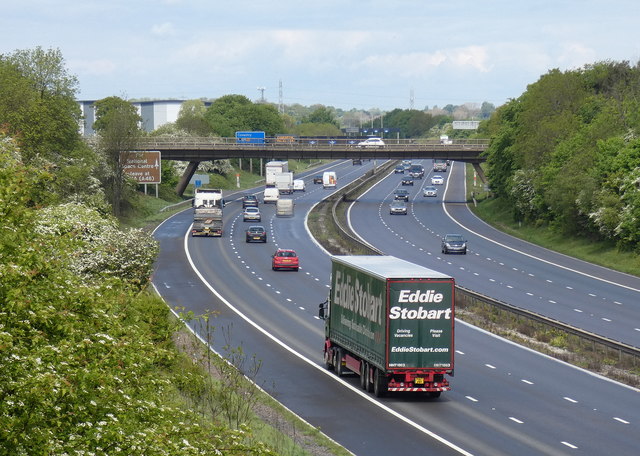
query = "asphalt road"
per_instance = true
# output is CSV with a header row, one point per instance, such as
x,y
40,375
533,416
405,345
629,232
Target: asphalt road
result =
x,y
590,297
505,399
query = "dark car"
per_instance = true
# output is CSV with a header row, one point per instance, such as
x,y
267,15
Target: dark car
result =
x,y
416,171
407,180
317,179
256,233
356,161
401,194
398,207
249,201
454,243
398,169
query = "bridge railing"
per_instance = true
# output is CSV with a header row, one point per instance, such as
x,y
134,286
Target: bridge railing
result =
x,y
305,143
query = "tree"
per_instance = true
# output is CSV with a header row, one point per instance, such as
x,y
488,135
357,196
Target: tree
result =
x,y
191,118
232,113
322,114
117,125
37,103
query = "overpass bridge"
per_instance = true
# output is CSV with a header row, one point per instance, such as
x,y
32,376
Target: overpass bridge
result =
x,y
196,150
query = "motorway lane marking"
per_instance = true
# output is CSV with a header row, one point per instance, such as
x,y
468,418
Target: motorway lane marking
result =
x,y
569,445
516,420
621,420
472,399
528,382
573,401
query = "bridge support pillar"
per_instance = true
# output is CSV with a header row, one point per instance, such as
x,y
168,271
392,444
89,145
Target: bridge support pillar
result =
x,y
186,177
479,171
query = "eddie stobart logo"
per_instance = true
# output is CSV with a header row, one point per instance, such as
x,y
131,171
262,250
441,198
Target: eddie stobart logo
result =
x,y
356,296
419,296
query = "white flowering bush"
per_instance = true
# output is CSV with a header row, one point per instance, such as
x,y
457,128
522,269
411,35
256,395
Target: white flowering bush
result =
x,y
88,367
103,250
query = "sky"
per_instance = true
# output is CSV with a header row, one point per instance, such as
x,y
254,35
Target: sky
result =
x,y
347,54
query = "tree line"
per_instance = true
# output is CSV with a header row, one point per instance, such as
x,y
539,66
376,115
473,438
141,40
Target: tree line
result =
x,y
566,153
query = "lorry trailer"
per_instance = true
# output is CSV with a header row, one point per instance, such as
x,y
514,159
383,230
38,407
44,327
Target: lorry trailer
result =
x,y
391,322
207,221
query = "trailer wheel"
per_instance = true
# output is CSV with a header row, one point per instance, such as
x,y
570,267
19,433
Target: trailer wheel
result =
x,y
337,362
363,375
379,383
328,361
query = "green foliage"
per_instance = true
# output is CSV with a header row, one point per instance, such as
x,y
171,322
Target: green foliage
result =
x,y
232,113
322,115
117,125
87,363
566,152
37,103
191,118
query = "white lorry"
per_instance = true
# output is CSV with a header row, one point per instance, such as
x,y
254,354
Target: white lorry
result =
x,y
208,197
284,182
329,179
272,168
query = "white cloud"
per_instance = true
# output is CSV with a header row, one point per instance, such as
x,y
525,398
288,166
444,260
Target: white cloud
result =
x,y
93,67
165,29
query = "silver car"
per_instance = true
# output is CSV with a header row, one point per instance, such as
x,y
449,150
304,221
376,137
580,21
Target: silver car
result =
x,y
398,207
251,214
454,243
430,191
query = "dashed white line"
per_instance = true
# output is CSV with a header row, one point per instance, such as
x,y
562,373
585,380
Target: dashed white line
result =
x,y
573,401
569,445
528,382
515,420
620,420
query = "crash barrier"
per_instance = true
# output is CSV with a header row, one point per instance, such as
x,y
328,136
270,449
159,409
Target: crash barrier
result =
x,y
575,339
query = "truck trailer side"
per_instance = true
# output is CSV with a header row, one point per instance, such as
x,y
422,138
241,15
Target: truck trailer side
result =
x,y
391,322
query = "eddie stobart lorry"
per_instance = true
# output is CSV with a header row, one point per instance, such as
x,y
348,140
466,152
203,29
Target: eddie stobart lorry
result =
x,y
391,322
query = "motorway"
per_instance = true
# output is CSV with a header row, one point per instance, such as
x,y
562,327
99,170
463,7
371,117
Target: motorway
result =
x,y
505,399
581,294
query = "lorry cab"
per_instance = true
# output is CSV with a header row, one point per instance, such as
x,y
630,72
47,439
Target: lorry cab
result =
x,y
329,179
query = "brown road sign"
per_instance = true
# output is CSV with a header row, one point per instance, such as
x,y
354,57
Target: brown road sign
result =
x,y
144,167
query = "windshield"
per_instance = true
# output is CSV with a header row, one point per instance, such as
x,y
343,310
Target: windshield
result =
x,y
454,238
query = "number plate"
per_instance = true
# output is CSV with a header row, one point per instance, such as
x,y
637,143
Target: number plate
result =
x,y
418,381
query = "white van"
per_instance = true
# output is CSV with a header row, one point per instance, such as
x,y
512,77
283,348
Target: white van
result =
x,y
271,195
284,207
329,179
298,185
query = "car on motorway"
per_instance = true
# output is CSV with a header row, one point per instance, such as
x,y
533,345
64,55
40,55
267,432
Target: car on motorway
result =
x,y
398,207
454,243
251,214
430,190
371,143
437,179
356,161
317,179
401,194
407,180
256,233
285,259
298,185
416,171
398,169
249,201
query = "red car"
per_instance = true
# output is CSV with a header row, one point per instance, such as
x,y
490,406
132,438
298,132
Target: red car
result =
x,y
285,259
